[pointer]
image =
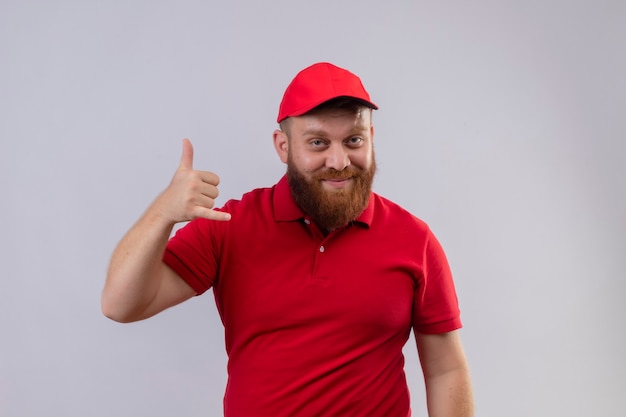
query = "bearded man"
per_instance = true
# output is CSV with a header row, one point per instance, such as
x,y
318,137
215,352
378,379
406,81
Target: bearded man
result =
x,y
318,280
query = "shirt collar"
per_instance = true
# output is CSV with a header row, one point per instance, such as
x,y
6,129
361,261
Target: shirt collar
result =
x,y
286,209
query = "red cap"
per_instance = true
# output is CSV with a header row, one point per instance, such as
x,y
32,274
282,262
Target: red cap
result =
x,y
317,84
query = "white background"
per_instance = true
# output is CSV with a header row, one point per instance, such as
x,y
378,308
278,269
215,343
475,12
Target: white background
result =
x,y
502,124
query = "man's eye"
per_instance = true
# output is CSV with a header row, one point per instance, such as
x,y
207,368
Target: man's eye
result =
x,y
317,142
355,140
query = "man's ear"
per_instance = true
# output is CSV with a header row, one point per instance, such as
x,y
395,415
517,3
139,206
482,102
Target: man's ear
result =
x,y
281,144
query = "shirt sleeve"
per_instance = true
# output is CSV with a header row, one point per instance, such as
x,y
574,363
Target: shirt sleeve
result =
x,y
436,307
192,254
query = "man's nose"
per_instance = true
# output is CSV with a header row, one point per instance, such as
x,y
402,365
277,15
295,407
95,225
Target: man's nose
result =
x,y
337,158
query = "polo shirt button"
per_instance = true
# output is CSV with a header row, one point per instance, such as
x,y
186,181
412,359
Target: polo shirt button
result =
x,y
321,248
307,221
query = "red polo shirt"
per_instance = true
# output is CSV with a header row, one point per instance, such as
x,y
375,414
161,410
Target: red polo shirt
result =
x,y
314,324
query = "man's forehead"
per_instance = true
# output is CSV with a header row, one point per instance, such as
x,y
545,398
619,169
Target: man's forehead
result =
x,y
360,118
321,124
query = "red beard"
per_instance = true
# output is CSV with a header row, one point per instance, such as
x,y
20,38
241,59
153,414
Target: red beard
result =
x,y
331,210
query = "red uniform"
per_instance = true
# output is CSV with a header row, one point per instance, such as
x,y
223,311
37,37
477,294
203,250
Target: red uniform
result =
x,y
314,324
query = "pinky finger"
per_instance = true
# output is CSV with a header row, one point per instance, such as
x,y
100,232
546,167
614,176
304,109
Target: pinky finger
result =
x,y
211,214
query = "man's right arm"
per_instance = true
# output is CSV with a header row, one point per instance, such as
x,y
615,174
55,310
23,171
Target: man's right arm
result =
x,y
138,284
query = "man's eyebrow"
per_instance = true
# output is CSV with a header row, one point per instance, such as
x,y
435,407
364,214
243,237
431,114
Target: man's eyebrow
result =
x,y
315,132
323,133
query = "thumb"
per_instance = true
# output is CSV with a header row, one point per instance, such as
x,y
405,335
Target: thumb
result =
x,y
186,160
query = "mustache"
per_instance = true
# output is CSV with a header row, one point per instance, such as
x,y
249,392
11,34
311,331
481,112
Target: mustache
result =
x,y
333,174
